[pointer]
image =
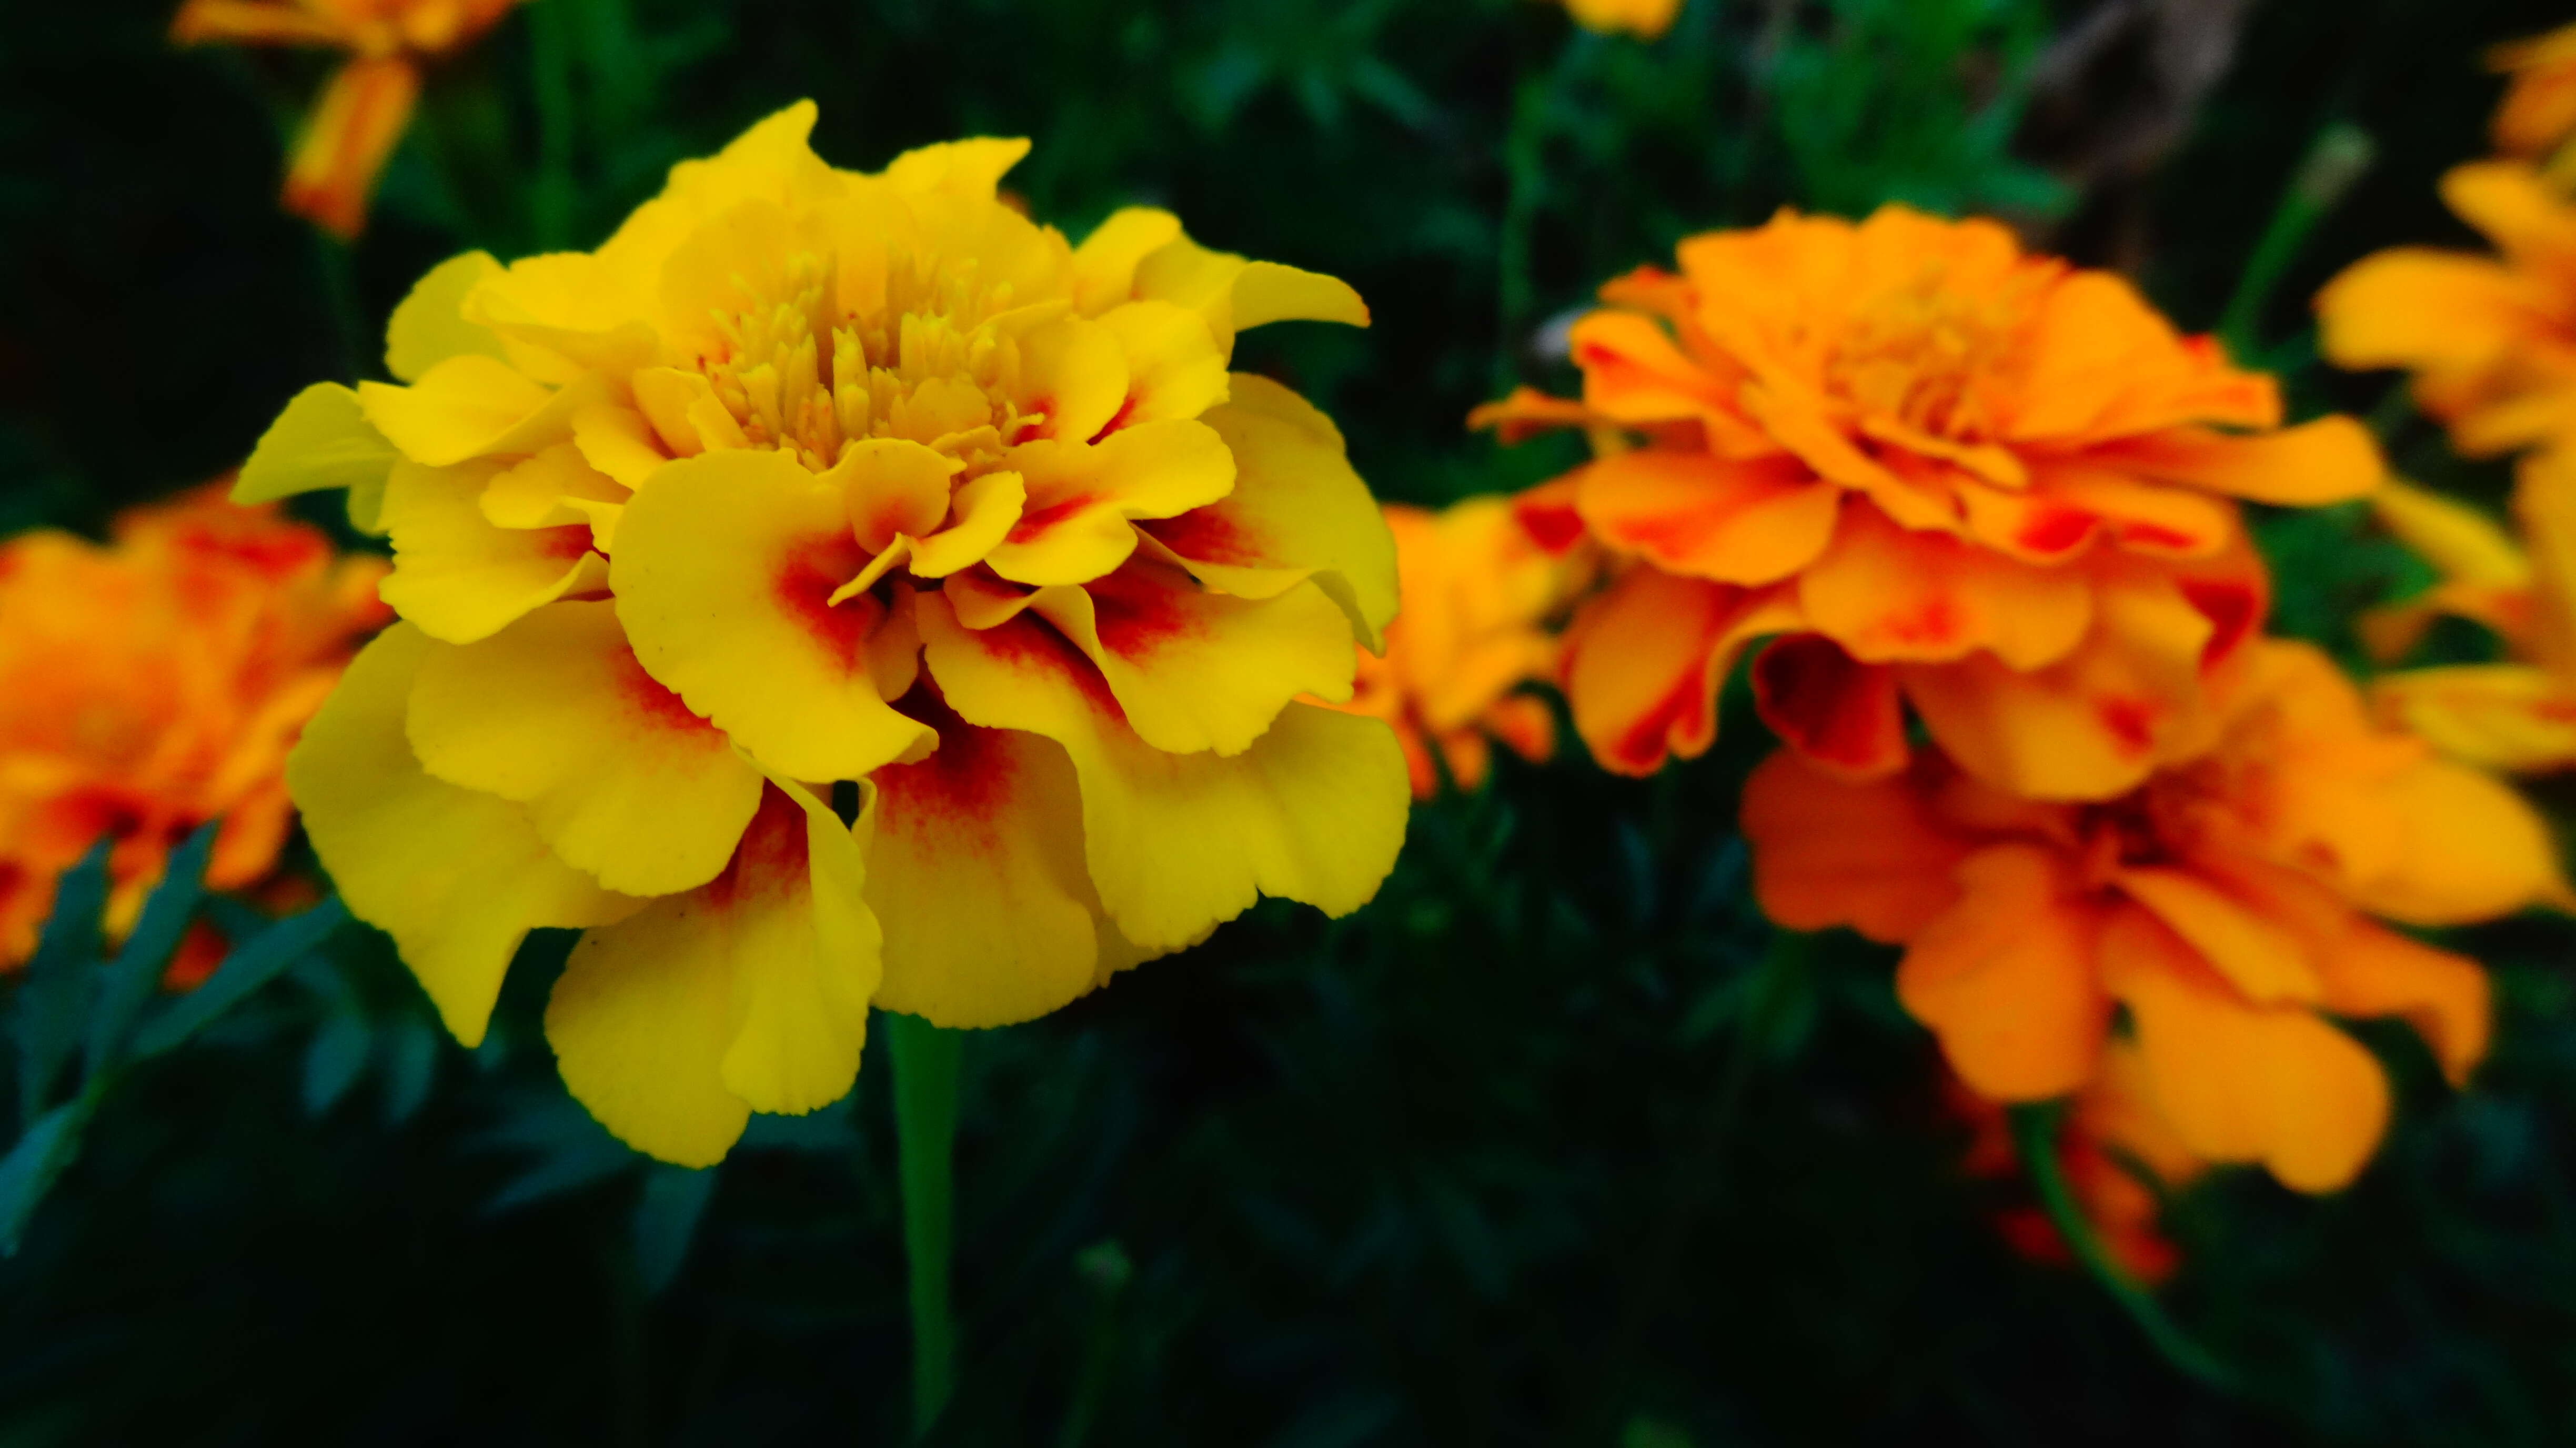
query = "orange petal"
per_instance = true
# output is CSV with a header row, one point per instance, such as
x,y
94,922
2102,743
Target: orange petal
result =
x,y
2005,977
1887,594
1632,372
2326,461
2412,307
1831,852
2265,960
1644,661
2494,716
2378,972
352,130
1840,713
1709,517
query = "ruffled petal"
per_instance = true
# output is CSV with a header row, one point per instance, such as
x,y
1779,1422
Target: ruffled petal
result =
x,y
1841,714
1644,662
1886,594
1709,517
473,406
322,440
1828,852
2445,997
2469,849
429,326
2265,961
462,577
2412,307
1082,500
2330,460
2005,977
2495,716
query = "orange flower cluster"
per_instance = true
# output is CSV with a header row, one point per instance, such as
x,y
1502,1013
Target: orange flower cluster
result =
x,y
1936,472
2226,904
156,683
367,102
1478,592
2118,1154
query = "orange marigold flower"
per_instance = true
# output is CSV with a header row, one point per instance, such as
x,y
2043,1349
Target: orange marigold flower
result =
x,y
365,105
1478,591
2115,1150
154,684
2225,904
1992,485
2520,714
2538,112
1645,19
2491,340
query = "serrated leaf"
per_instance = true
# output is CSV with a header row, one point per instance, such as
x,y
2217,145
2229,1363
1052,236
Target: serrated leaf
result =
x,y
53,996
252,964
666,1221
126,986
334,1060
31,1168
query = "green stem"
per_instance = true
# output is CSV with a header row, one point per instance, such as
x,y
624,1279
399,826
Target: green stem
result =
x,y
2337,159
925,1114
2035,1137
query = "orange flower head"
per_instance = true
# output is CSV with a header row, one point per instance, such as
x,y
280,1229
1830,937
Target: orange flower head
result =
x,y
1645,19
1994,486
366,104
2225,904
154,684
1478,591
2491,340
2538,112
2115,1150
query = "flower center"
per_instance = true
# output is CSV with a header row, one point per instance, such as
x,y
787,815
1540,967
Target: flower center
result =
x,y
1918,351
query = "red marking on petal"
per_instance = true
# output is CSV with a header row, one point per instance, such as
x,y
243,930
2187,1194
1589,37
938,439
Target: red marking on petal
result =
x,y
2057,530
969,779
1830,706
2131,723
2232,610
1204,535
1118,419
657,707
1028,645
2154,535
567,542
1550,521
769,859
807,578
1037,521
1136,613
1935,623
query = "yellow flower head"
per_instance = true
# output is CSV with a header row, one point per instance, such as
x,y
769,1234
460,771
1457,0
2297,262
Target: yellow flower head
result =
x,y
810,476
1478,592
367,102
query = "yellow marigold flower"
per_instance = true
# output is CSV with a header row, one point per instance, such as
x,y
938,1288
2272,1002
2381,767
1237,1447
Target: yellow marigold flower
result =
x,y
367,102
2112,1131
154,684
1646,19
2538,112
1478,591
2491,340
2225,905
1992,486
2518,715
810,476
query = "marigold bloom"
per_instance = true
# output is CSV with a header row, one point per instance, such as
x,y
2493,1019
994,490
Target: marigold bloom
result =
x,y
2538,112
154,684
2491,340
2222,904
1478,591
365,105
1992,486
810,476
2517,715
2111,1133
1645,19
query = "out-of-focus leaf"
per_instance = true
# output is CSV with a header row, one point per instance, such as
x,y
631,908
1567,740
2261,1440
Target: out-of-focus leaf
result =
x,y
126,986
666,1221
564,1150
409,1050
53,996
252,964
32,1166
333,1061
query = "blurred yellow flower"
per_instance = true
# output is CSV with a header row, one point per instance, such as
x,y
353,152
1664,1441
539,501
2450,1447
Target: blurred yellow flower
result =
x,y
2518,715
1478,591
2491,340
154,684
1647,19
367,102
2538,112
809,486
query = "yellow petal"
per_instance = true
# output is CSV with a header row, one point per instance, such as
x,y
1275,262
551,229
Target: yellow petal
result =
x,y
322,440
618,441
2495,716
456,878
971,167
2470,849
1075,372
430,327
618,776
975,869
982,514
2460,541
895,488
807,959
1315,810
1174,368
547,491
1077,523
722,573
461,577
1104,266
474,406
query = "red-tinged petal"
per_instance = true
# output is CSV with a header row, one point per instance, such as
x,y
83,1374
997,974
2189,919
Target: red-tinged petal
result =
x,y
724,571
457,878
619,777
1644,661
1887,594
1708,517
1074,371
460,576
1082,500
1828,851
2005,977
1632,372
1175,369
1527,412
1842,714
1176,843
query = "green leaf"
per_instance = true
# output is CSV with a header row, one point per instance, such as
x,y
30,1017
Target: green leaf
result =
x,y
36,1162
666,1221
127,984
334,1060
252,964
54,996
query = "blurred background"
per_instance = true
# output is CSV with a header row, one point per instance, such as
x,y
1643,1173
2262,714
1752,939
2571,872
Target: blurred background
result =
x,y
1445,1172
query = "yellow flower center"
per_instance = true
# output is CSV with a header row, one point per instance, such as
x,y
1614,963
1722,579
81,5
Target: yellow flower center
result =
x,y
1918,352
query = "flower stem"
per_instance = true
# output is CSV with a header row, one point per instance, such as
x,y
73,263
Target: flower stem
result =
x,y
2337,159
2034,1131
925,1114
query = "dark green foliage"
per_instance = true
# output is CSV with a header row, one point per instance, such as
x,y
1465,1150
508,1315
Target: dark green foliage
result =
x,y
1554,1143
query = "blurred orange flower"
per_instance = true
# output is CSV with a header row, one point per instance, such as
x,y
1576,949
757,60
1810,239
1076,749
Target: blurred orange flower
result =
x,y
1477,591
2222,904
1646,19
2110,1135
2538,112
1993,486
367,102
154,684
2519,714
2491,339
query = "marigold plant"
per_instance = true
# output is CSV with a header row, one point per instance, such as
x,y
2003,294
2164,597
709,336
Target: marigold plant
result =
x,y
807,480
1646,19
2491,340
2117,1154
1478,594
154,684
366,104
2225,904
1939,472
